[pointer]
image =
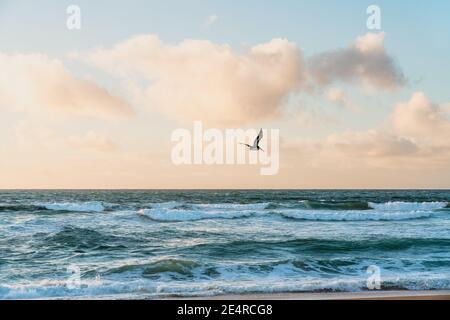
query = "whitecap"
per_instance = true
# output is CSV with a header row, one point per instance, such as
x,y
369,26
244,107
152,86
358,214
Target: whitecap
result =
x,y
192,215
93,206
408,206
233,206
354,215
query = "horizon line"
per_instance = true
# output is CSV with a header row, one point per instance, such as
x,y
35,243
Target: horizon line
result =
x,y
224,189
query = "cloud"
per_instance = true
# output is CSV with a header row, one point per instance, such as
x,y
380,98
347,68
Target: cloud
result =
x,y
340,97
422,120
201,80
417,130
364,61
35,82
210,20
92,141
373,143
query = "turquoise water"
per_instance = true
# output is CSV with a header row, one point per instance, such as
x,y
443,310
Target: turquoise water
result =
x,y
150,244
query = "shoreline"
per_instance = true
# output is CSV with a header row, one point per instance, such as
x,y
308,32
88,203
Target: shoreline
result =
x,y
362,295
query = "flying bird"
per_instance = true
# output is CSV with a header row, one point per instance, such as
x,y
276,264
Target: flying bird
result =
x,y
255,146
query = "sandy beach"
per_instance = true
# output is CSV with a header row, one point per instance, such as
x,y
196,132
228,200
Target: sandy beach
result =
x,y
365,295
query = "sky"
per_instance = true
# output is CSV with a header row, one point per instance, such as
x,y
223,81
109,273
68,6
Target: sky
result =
x,y
95,107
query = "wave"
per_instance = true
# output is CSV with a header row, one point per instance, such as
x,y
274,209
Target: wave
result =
x,y
224,210
408,206
84,239
208,206
178,211
363,205
21,207
166,205
356,215
331,284
93,206
174,266
337,205
347,205
177,215
226,283
235,206
304,246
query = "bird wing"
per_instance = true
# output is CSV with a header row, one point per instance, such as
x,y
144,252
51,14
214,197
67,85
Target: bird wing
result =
x,y
258,138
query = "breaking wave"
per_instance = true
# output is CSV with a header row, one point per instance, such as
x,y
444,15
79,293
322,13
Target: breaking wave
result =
x,y
176,212
195,211
326,211
350,205
177,215
93,206
408,206
269,278
353,215
173,266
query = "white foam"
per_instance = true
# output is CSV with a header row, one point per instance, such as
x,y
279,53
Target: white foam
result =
x,y
166,205
92,206
210,206
408,206
233,206
192,215
352,215
418,281
167,211
232,211
124,288
57,289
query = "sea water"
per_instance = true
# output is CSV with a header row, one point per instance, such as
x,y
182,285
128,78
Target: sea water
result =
x,y
154,244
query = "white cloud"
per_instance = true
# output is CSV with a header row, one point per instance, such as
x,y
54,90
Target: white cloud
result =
x,y
371,42
35,82
417,130
422,120
201,80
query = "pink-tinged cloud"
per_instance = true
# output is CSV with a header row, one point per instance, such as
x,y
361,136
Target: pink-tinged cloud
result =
x,y
372,143
422,120
365,61
417,130
34,82
201,80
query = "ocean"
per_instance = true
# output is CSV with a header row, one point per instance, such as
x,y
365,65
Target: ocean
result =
x,y
159,243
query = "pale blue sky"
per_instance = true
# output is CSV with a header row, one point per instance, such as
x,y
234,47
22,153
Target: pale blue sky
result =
x,y
418,32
